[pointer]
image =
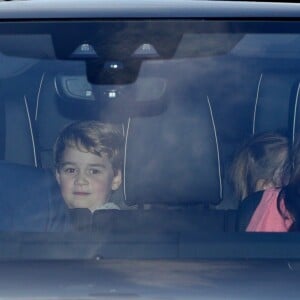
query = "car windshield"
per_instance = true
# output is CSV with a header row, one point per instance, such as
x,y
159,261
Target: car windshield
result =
x,y
124,138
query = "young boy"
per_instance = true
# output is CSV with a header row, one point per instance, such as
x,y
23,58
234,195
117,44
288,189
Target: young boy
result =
x,y
88,163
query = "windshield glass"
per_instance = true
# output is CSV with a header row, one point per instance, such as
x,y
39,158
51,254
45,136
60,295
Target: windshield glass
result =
x,y
167,135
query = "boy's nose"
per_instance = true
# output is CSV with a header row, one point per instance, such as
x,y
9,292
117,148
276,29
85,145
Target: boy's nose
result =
x,y
81,178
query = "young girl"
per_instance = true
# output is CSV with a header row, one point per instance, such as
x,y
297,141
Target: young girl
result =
x,y
260,170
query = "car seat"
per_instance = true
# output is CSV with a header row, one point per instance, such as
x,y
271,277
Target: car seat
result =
x,y
294,124
172,160
172,171
30,200
17,132
51,116
273,98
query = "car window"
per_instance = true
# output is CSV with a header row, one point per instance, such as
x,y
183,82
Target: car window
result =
x,y
149,149
129,129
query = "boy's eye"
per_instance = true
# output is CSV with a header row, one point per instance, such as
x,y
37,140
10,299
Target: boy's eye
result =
x,y
69,170
94,171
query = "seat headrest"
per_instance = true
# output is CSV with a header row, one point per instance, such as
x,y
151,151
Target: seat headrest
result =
x,y
294,128
273,99
173,158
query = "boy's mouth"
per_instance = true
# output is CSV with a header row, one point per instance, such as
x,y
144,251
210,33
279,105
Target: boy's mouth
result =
x,y
81,193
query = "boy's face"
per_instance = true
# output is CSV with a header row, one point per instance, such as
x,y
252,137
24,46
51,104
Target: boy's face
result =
x,y
86,180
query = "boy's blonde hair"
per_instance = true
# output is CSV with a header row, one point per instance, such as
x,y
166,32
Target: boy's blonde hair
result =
x,y
263,157
93,137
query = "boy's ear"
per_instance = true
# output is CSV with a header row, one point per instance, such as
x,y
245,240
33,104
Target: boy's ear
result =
x,y
117,180
57,176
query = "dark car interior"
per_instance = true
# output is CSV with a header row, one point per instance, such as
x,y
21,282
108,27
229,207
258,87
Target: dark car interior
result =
x,y
184,100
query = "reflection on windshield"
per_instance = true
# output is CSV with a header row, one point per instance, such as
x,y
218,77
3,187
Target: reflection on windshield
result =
x,y
132,130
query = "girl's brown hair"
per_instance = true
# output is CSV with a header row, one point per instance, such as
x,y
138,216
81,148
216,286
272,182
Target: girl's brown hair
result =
x,y
264,157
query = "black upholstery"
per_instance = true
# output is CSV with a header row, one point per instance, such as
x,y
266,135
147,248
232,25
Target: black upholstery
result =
x,y
30,200
179,221
17,125
178,169
246,210
18,133
180,163
50,119
295,114
273,102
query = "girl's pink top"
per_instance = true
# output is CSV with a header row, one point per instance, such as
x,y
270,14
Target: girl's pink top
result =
x,y
267,218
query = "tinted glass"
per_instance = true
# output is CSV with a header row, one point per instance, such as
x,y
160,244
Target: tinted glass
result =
x,y
184,94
